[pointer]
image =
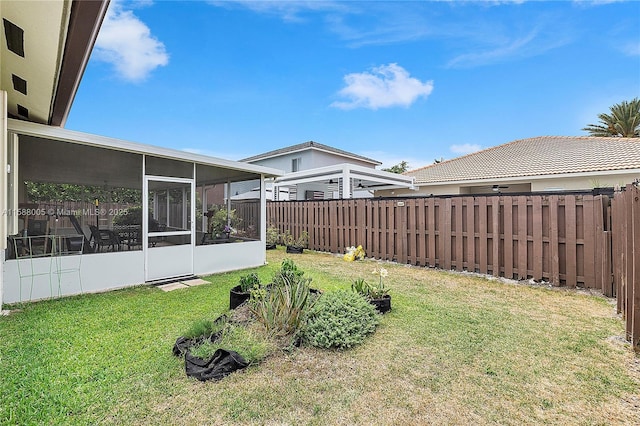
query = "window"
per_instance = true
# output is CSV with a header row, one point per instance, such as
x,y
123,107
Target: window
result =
x,y
295,164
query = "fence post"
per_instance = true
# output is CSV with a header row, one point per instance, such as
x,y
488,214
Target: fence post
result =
x,y
633,282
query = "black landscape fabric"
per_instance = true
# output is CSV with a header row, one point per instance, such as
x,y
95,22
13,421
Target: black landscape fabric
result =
x,y
221,364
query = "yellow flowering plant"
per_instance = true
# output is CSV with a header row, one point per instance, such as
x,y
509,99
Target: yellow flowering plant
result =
x,y
354,253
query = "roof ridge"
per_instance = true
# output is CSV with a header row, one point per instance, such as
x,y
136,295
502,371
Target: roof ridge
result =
x,y
535,156
309,144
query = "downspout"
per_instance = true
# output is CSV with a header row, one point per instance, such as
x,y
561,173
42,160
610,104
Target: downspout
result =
x,y
263,216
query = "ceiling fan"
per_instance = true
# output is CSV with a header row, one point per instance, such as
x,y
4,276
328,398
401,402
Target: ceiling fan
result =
x,y
497,188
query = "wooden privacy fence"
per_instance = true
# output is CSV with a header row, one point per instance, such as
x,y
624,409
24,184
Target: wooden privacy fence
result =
x,y
625,218
563,239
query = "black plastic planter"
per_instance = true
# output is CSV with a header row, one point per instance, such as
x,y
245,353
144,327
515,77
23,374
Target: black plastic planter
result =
x,y
383,304
270,246
295,249
237,297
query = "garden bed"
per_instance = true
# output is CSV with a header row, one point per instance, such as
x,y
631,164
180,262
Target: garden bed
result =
x,y
454,349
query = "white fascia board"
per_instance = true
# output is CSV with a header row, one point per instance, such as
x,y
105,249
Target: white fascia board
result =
x,y
309,148
336,171
527,179
64,135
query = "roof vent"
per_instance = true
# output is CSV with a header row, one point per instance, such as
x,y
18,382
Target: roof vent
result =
x,y
23,111
19,84
15,37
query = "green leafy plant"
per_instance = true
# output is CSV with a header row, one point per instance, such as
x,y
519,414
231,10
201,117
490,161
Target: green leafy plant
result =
x,y
280,308
272,235
289,240
360,286
372,291
340,319
220,222
248,282
288,273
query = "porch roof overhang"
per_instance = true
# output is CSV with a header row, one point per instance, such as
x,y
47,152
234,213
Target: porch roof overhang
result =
x,y
51,44
56,134
369,179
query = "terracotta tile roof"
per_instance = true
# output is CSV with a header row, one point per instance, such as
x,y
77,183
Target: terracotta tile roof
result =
x,y
544,155
306,145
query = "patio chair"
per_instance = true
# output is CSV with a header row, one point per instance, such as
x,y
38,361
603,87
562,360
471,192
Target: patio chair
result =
x,y
38,233
86,246
101,238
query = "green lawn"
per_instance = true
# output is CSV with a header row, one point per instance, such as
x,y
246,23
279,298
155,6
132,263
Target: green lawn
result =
x,y
454,350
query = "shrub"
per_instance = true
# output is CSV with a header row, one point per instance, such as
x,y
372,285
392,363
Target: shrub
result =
x,y
220,220
280,308
290,240
339,319
248,282
272,235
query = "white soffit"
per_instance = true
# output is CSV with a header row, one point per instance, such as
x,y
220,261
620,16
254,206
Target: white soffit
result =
x,y
45,26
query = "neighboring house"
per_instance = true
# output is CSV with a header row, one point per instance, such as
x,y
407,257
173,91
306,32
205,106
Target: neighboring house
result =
x,y
53,251
317,171
541,164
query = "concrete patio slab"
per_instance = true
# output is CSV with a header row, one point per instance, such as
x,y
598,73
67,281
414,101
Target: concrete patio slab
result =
x,y
172,286
194,282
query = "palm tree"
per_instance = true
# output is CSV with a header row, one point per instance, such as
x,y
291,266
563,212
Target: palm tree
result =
x,y
624,121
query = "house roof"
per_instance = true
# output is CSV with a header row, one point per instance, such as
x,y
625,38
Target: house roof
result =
x,y
544,155
44,51
305,146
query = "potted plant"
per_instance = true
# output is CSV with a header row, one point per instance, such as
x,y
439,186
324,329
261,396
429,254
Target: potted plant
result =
x,y
295,245
272,237
221,222
377,294
241,293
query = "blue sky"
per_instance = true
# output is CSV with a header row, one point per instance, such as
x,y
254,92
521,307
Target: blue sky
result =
x,y
393,81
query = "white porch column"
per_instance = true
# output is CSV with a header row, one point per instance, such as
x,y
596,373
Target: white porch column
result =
x,y
3,186
346,183
263,216
228,202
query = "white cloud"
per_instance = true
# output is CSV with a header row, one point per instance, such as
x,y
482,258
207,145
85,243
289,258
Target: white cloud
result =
x,y
529,45
466,148
632,48
127,43
385,86
287,10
